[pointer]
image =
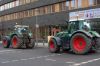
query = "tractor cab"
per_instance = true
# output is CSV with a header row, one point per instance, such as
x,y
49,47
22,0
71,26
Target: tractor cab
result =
x,y
78,25
21,29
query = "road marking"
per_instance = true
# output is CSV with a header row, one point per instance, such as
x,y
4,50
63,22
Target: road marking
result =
x,y
39,57
89,61
15,60
5,62
50,60
6,50
70,62
59,54
23,59
32,58
45,56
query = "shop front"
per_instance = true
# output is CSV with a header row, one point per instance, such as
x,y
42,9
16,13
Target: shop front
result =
x,y
92,16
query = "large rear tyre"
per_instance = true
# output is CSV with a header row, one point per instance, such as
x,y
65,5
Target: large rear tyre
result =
x,y
6,42
80,44
53,47
16,42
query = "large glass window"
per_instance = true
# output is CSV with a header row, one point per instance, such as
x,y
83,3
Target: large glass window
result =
x,y
49,9
17,3
2,8
79,3
37,12
57,8
98,2
67,5
42,10
91,2
73,4
28,1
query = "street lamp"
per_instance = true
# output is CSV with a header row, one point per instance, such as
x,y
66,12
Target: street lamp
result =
x,y
2,28
37,26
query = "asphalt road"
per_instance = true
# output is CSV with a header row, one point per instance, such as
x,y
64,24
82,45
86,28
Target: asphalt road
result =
x,y
40,56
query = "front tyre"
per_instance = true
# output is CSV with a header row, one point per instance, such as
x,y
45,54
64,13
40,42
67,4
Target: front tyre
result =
x,y
80,44
6,42
53,47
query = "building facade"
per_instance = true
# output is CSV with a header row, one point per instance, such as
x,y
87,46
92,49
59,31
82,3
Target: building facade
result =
x,y
44,17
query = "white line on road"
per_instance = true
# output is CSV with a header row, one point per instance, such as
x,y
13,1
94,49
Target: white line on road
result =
x,y
15,60
50,60
39,57
32,58
71,62
6,50
23,59
5,62
89,61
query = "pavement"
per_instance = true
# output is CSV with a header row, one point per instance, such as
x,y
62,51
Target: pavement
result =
x,y
40,56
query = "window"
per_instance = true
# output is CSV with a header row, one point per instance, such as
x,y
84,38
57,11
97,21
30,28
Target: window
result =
x,y
22,2
73,4
13,4
33,0
67,5
91,2
6,6
2,8
36,12
98,2
26,13
42,10
17,3
85,3
0,19
33,12
62,6
10,5
79,3
28,1
57,8
49,9
30,13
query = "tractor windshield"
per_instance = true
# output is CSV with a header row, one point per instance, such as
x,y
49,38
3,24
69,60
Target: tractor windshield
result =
x,y
21,29
86,26
78,25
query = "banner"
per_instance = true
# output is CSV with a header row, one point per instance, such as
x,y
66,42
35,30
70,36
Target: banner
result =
x,y
85,14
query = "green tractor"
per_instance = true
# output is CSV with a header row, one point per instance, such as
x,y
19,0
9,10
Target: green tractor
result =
x,y
78,38
21,37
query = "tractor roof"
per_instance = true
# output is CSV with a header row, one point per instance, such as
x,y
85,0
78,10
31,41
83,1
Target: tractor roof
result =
x,y
20,26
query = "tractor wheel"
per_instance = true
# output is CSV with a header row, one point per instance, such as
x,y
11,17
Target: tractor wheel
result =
x,y
53,47
6,42
16,42
80,44
31,44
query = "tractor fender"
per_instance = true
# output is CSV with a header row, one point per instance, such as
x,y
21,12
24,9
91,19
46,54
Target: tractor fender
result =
x,y
83,32
95,34
58,40
12,35
8,38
